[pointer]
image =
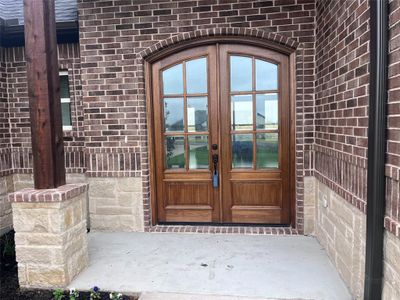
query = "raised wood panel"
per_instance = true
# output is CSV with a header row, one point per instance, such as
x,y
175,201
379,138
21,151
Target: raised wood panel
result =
x,y
188,215
259,215
188,193
256,193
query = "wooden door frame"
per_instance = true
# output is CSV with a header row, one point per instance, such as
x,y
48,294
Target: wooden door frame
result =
x,y
148,62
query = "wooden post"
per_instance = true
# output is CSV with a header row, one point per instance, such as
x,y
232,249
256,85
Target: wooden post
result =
x,y
44,93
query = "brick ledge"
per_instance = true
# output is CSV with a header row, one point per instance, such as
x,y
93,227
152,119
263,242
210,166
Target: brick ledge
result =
x,y
60,194
211,229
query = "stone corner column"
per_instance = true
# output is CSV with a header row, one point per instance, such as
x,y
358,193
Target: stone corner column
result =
x,y
50,235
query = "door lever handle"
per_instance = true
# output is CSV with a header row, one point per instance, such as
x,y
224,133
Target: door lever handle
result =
x,y
215,180
215,159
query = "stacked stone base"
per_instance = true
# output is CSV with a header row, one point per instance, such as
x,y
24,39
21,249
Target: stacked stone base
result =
x,y
6,187
341,230
51,239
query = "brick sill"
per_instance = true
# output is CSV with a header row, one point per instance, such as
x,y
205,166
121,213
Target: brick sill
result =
x,y
60,194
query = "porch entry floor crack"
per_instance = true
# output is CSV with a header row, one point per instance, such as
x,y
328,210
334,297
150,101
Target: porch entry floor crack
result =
x,y
258,266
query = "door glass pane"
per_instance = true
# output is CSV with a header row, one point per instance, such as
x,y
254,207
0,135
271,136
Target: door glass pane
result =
x,y
267,150
266,75
64,86
242,151
66,113
267,111
242,112
198,152
173,114
197,114
196,76
175,152
173,80
241,73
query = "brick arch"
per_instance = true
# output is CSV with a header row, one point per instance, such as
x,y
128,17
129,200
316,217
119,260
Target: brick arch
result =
x,y
276,39
256,37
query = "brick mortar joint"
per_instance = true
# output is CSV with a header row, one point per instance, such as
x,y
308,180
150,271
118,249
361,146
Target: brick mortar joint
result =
x,y
59,194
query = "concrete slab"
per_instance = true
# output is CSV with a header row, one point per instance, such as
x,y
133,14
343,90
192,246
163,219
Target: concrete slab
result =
x,y
174,296
283,267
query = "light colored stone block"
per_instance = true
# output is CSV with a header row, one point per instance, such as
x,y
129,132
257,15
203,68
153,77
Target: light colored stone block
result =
x,y
309,204
391,270
116,204
6,186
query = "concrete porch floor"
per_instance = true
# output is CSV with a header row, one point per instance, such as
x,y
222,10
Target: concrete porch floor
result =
x,y
284,267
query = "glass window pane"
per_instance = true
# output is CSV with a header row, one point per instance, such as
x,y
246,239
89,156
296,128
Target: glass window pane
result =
x,y
241,73
267,111
64,86
198,152
175,152
267,150
197,114
66,114
196,76
173,80
266,75
242,151
173,114
242,112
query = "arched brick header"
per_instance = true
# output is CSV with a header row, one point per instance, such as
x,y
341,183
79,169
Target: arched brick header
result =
x,y
256,34
256,37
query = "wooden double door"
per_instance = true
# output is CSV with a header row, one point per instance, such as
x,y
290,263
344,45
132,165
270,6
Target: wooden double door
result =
x,y
221,135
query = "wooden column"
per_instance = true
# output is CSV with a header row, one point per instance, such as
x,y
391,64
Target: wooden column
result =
x,y
44,93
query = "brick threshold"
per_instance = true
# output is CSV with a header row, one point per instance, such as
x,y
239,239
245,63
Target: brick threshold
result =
x,y
220,229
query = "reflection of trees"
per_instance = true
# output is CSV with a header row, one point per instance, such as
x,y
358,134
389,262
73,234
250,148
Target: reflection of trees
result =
x,y
200,120
243,150
170,147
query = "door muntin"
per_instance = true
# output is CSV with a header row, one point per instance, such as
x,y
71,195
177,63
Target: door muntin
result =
x,y
185,115
254,106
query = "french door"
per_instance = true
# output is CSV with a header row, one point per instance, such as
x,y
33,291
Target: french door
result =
x,y
221,121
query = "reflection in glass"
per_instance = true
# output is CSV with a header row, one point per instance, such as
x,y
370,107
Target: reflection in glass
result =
x,y
64,86
196,76
198,152
267,150
173,114
267,111
242,151
173,80
175,152
242,112
66,113
266,75
241,73
197,114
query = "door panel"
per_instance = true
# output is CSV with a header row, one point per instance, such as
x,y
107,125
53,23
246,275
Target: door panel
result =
x,y
184,101
229,103
255,135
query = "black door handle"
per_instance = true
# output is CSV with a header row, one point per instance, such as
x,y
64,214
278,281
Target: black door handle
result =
x,y
215,179
215,160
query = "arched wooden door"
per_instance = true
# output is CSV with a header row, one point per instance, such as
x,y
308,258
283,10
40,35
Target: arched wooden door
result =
x,y
221,121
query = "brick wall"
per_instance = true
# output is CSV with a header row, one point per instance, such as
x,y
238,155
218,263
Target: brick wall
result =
x,y
18,105
341,104
113,33
341,97
392,221
5,153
